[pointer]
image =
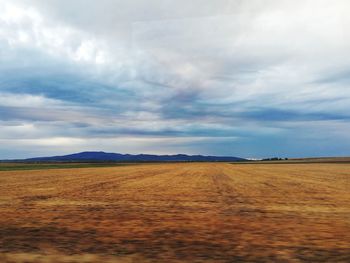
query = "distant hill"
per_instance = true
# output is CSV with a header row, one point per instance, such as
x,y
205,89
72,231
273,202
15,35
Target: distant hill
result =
x,y
117,157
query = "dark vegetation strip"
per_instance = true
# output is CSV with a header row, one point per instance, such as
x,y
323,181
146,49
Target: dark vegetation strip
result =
x,y
16,166
293,162
44,166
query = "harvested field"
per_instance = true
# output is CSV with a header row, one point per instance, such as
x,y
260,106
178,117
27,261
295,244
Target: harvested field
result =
x,y
193,212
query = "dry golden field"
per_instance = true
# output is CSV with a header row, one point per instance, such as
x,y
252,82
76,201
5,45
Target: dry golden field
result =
x,y
193,212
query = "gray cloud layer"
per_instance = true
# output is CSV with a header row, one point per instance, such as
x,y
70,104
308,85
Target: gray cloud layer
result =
x,y
248,78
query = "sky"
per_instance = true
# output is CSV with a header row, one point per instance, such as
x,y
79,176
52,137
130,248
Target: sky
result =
x,y
257,78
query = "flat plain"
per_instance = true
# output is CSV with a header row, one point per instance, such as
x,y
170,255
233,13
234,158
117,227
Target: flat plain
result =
x,y
182,212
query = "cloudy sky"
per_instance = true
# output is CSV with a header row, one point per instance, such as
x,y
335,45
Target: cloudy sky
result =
x,y
250,78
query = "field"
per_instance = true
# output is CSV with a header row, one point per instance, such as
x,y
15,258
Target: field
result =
x,y
184,212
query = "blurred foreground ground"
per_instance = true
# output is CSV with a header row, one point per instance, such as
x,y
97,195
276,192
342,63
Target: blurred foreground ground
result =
x,y
195,212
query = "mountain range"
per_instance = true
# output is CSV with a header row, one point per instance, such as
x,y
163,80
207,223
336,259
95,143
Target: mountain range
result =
x,y
118,157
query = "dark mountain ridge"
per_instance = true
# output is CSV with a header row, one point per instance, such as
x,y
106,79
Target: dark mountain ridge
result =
x,y
118,157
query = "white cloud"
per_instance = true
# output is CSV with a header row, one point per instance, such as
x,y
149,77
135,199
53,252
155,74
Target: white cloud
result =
x,y
24,26
27,100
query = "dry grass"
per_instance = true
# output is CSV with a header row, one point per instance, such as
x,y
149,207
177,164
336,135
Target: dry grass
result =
x,y
196,212
53,257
